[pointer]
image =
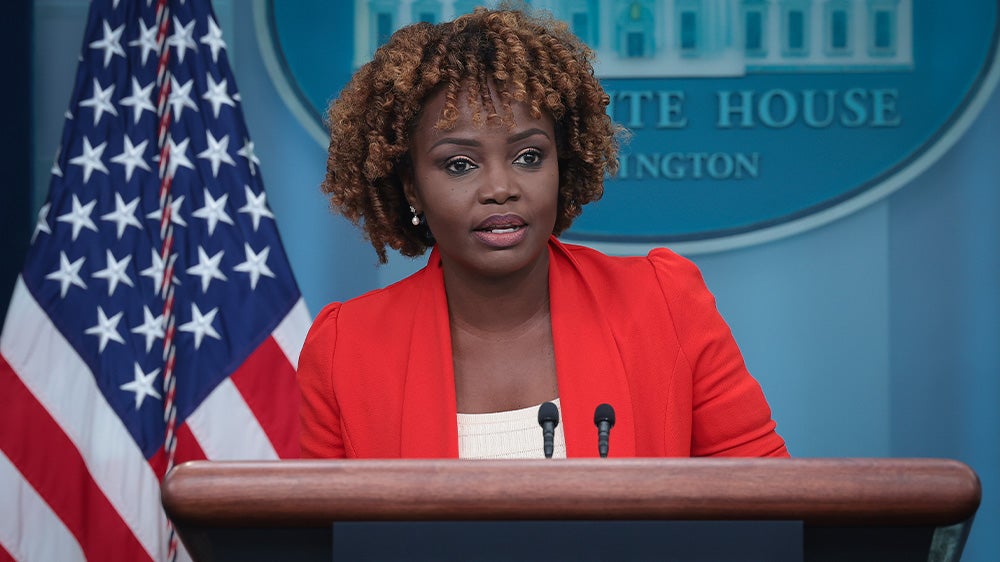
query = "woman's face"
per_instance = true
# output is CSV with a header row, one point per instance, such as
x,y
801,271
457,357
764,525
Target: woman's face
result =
x,y
489,193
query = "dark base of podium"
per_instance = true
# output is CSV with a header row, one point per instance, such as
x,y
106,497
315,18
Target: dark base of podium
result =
x,y
488,541
836,544
570,541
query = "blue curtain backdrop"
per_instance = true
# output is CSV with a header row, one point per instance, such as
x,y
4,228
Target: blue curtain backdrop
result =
x,y
876,335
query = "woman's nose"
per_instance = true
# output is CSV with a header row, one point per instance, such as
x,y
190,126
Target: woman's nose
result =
x,y
498,187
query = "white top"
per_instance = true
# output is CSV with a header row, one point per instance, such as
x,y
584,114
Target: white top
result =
x,y
514,434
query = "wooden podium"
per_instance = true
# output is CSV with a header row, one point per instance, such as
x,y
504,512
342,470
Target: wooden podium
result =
x,y
849,509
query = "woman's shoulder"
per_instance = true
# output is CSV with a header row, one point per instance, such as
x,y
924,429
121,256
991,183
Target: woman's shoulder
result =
x,y
663,264
643,285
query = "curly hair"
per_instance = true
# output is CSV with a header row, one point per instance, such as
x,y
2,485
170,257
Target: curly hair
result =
x,y
528,58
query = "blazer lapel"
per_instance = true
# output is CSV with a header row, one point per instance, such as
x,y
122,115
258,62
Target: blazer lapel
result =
x,y
588,364
430,422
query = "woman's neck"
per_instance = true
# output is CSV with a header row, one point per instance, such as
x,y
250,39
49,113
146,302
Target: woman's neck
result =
x,y
498,305
501,336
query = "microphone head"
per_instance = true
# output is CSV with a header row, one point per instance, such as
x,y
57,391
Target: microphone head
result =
x,y
604,413
548,413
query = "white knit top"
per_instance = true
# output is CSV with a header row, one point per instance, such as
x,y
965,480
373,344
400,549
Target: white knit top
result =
x,y
514,434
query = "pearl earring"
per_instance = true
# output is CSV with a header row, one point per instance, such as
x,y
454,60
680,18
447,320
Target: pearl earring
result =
x,y
415,221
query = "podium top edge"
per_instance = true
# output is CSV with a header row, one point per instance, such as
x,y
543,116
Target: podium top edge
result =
x,y
884,491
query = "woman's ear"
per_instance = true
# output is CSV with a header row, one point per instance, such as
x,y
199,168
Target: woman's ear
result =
x,y
409,186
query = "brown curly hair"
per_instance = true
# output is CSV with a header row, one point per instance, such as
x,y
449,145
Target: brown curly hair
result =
x,y
529,58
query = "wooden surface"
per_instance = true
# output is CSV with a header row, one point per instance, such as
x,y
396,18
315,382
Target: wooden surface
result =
x,y
817,491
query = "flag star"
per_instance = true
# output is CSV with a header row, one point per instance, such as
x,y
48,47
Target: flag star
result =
x,y
214,211
200,325
123,215
79,217
146,40
115,273
106,329
218,95
67,274
247,152
256,206
256,264
101,101
182,38
175,213
140,100
151,327
177,156
207,268
217,152
213,39
157,270
131,157
90,159
111,42
180,97
43,222
142,385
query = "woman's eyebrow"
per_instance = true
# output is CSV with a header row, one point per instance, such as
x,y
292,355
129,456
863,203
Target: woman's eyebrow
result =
x,y
456,140
516,137
525,134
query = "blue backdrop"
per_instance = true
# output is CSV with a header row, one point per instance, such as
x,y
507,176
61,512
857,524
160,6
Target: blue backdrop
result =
x,y
875,335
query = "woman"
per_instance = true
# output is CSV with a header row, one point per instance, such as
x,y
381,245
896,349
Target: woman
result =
x,y
483,138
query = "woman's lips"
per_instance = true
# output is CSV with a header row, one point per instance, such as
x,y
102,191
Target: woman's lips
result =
x,y
501,231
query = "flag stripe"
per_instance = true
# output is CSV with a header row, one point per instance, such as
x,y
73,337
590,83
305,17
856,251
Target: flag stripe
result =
x,y
291,332
36,350
61,479
31,513
188,448
226,428
270,397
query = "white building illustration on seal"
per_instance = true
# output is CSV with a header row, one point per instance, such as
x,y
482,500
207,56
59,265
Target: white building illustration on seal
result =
x,y
663,38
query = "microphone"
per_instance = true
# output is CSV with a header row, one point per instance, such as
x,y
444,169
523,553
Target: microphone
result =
x,y
604,419
548,418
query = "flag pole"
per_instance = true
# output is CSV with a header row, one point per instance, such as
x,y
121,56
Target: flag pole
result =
x,y
167,237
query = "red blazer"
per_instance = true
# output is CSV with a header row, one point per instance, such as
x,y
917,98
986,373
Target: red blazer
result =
x,y
641,333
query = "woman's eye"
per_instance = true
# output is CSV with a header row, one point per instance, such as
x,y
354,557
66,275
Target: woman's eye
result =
x,y
459,166
530,157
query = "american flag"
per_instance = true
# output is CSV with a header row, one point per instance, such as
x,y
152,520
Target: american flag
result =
x,y
156,319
